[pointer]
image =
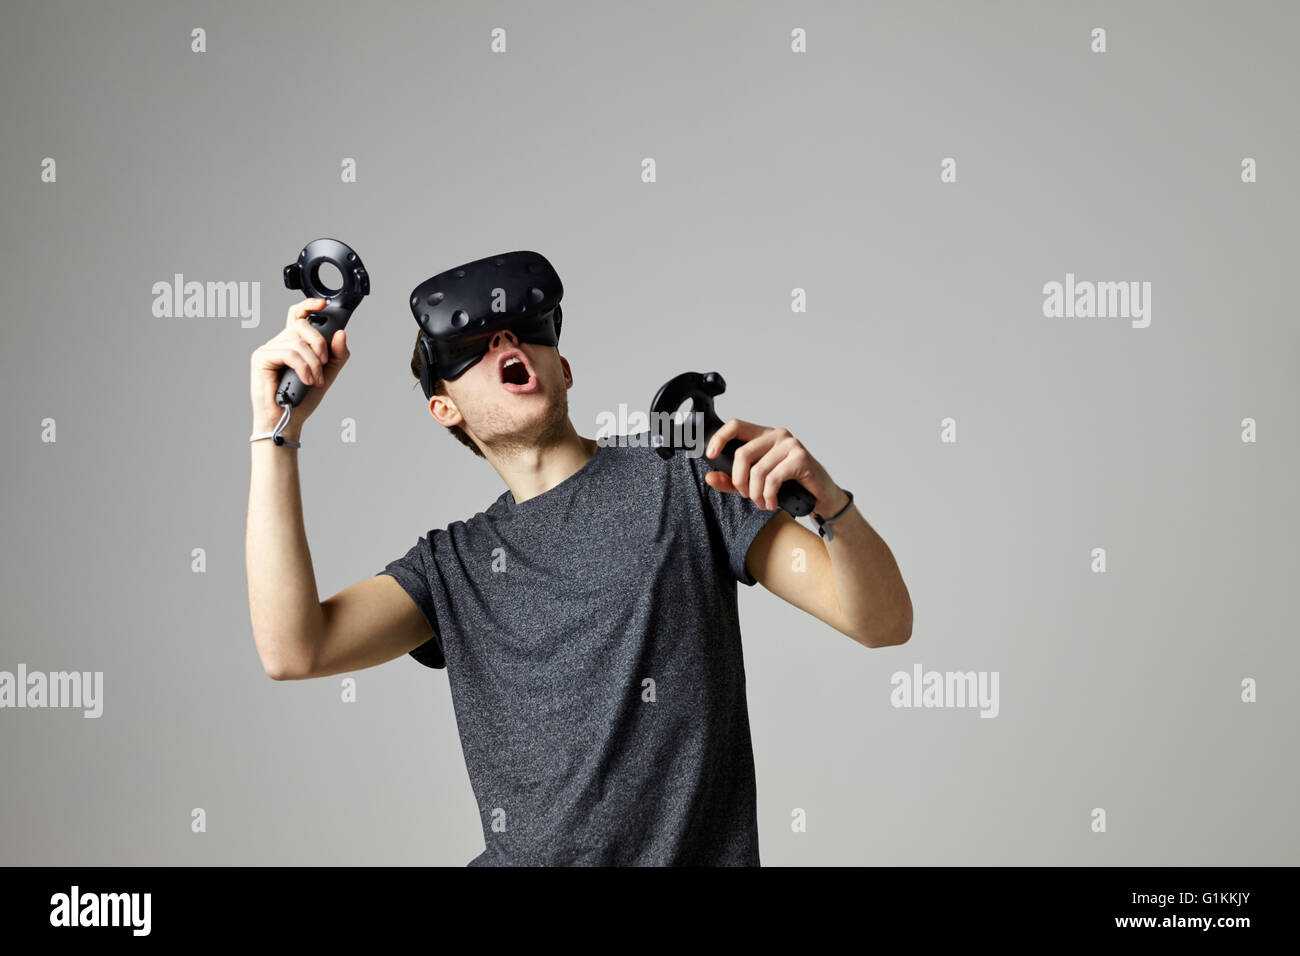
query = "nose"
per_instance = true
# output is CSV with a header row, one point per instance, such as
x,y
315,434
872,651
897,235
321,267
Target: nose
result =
x,y
504,339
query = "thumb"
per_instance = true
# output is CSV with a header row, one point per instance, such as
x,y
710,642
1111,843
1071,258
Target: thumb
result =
x,y
719,480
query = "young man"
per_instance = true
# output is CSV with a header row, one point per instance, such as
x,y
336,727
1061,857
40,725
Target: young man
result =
x,y
587,619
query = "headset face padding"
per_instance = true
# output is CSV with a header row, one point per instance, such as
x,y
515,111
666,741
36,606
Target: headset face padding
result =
x,y
466,353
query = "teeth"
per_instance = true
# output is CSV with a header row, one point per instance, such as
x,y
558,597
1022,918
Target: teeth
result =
x,y
511,361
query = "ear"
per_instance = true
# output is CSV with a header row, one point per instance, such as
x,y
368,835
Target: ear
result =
x,y
568,372
444,411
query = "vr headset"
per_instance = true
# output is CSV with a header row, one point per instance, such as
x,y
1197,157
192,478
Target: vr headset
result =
x,y
461,309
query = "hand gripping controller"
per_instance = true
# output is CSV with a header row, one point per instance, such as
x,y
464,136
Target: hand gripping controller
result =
x,y
667,435
304,274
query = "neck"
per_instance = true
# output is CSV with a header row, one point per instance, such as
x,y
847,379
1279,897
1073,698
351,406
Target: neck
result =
x,y
531,470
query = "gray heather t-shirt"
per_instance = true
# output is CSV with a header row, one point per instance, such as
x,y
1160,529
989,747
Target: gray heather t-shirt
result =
x,y
591,641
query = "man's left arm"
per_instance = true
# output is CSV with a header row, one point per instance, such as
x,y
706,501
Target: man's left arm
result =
x,y
851,582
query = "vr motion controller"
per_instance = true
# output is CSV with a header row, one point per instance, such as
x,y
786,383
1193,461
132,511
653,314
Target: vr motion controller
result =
x,y
304,274
668,437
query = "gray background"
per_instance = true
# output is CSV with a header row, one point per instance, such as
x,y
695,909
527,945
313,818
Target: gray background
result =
x,y
776,171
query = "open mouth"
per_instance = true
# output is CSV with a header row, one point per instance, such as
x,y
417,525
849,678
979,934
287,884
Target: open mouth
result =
x,y
516,375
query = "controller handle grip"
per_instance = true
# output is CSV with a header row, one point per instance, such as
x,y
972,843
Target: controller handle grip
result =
x,y
327,320
791,496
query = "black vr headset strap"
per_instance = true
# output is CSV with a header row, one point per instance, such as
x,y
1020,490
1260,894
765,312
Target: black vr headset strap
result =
x,y
426,366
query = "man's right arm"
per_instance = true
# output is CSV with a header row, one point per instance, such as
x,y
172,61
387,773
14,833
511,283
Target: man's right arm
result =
x,y
298,636
368,623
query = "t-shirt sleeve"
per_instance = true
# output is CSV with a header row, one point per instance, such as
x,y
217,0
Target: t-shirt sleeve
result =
x,y
417,573
737,519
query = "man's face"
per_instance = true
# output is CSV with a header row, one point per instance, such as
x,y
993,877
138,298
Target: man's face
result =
x,y
515,396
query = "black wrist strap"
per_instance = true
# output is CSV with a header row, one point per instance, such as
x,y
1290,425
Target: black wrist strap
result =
x,y
824,524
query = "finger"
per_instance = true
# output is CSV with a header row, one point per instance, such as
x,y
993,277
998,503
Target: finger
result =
x,y
735,428
298,357
795,458
720,438
337,356
745,457
313,360
339,347
299,310
776,450
719,481
313,337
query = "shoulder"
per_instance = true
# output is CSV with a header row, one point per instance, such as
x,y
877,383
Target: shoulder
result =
x,y
639,463
463,529
633,451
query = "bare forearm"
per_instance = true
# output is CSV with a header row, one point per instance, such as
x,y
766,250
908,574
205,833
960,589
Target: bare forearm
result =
x,y
283,603
867,579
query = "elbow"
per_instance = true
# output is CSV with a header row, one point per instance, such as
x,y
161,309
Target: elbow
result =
x,y
282,667
280,671
903,633
890,639
899,633
277,671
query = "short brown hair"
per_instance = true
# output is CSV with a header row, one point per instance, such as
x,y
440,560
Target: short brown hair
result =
x,y
440,388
